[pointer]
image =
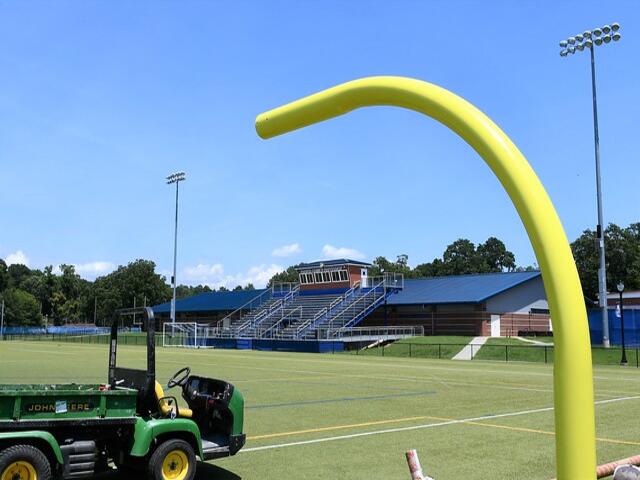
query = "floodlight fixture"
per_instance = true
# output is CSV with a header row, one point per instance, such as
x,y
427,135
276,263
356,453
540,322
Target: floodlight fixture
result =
x,y
587,34
563,53
572,49
571,40
563,43
606,29
579,38
588,44
616,36
580,46
176,177
598,41
615,26
597,32
606,38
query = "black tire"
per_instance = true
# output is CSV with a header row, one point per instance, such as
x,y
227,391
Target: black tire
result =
x,y
26,454
168,451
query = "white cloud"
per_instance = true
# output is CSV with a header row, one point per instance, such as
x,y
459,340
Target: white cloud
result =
x,y
203,273
329,252
94,269
287,250
214,275
17,257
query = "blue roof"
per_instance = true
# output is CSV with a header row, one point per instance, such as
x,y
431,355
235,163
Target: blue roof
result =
x,y
211,301
458,289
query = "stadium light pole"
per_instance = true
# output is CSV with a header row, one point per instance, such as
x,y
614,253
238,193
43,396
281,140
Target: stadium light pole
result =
x,y
589,40
175,178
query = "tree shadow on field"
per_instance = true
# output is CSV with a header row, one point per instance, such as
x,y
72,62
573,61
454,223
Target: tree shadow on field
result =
x,y
205,471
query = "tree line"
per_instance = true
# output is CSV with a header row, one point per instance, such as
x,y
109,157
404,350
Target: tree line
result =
x,y
33,297
465,257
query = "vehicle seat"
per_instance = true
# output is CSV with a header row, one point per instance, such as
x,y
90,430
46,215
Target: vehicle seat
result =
x,y
165,408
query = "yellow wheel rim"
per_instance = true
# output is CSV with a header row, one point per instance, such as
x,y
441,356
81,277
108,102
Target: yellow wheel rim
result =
x,y
19,470
175,466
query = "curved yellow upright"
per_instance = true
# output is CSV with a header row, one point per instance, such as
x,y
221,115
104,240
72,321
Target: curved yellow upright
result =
x,y
573,383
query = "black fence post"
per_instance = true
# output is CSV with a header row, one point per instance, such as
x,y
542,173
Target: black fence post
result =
x,y
506,353
439,351
636,358
410,353
545,354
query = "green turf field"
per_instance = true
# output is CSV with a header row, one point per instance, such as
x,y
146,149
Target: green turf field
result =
x,y
312,416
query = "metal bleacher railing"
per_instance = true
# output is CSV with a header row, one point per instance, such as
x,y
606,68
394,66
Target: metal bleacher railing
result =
x,y
255,310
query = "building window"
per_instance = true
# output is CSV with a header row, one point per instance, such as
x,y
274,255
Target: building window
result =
x,y
309,278
326,276
335,276
303,278
318,277
344,276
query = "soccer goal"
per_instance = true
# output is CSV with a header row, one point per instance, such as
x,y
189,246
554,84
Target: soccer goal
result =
x,y
187,335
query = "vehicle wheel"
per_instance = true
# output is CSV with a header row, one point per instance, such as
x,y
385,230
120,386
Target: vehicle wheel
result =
x,y
24,462
172,460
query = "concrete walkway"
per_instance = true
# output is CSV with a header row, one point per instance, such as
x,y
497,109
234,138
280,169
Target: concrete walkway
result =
x,y
468,352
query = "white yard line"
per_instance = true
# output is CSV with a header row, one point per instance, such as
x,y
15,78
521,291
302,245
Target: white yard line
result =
x,y
421,427
470,351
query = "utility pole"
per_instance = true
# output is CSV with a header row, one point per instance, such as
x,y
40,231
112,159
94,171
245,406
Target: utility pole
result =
x,y
589,40
175,178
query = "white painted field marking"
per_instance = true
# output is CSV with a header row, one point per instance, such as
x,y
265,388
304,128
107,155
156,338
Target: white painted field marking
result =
x,y
421,427
471,349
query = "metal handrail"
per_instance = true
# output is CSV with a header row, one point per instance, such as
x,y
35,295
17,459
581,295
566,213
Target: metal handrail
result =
x,y
276,306
409,331
372,291
220,323
311,321
282,319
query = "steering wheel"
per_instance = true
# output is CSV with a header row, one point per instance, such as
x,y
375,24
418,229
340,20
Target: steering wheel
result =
x,y
179,378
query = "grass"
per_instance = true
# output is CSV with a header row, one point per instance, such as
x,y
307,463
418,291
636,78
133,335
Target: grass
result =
x,y
308,407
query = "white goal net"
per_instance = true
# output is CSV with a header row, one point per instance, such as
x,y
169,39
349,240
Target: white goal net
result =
x,y
187,335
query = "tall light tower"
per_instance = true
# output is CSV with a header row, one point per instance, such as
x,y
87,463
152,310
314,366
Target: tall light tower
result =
x,y
175,178
589,40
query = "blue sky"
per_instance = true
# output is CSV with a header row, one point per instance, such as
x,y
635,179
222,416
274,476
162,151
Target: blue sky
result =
x,y
100,100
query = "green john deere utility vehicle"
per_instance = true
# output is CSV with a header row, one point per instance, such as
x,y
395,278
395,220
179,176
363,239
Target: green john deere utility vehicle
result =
x,y
74,430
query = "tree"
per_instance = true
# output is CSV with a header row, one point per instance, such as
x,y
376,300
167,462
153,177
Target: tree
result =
x,y
17,273
4,276
435,268
622,258
495,257
290,275
21,308
118,289
461,257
